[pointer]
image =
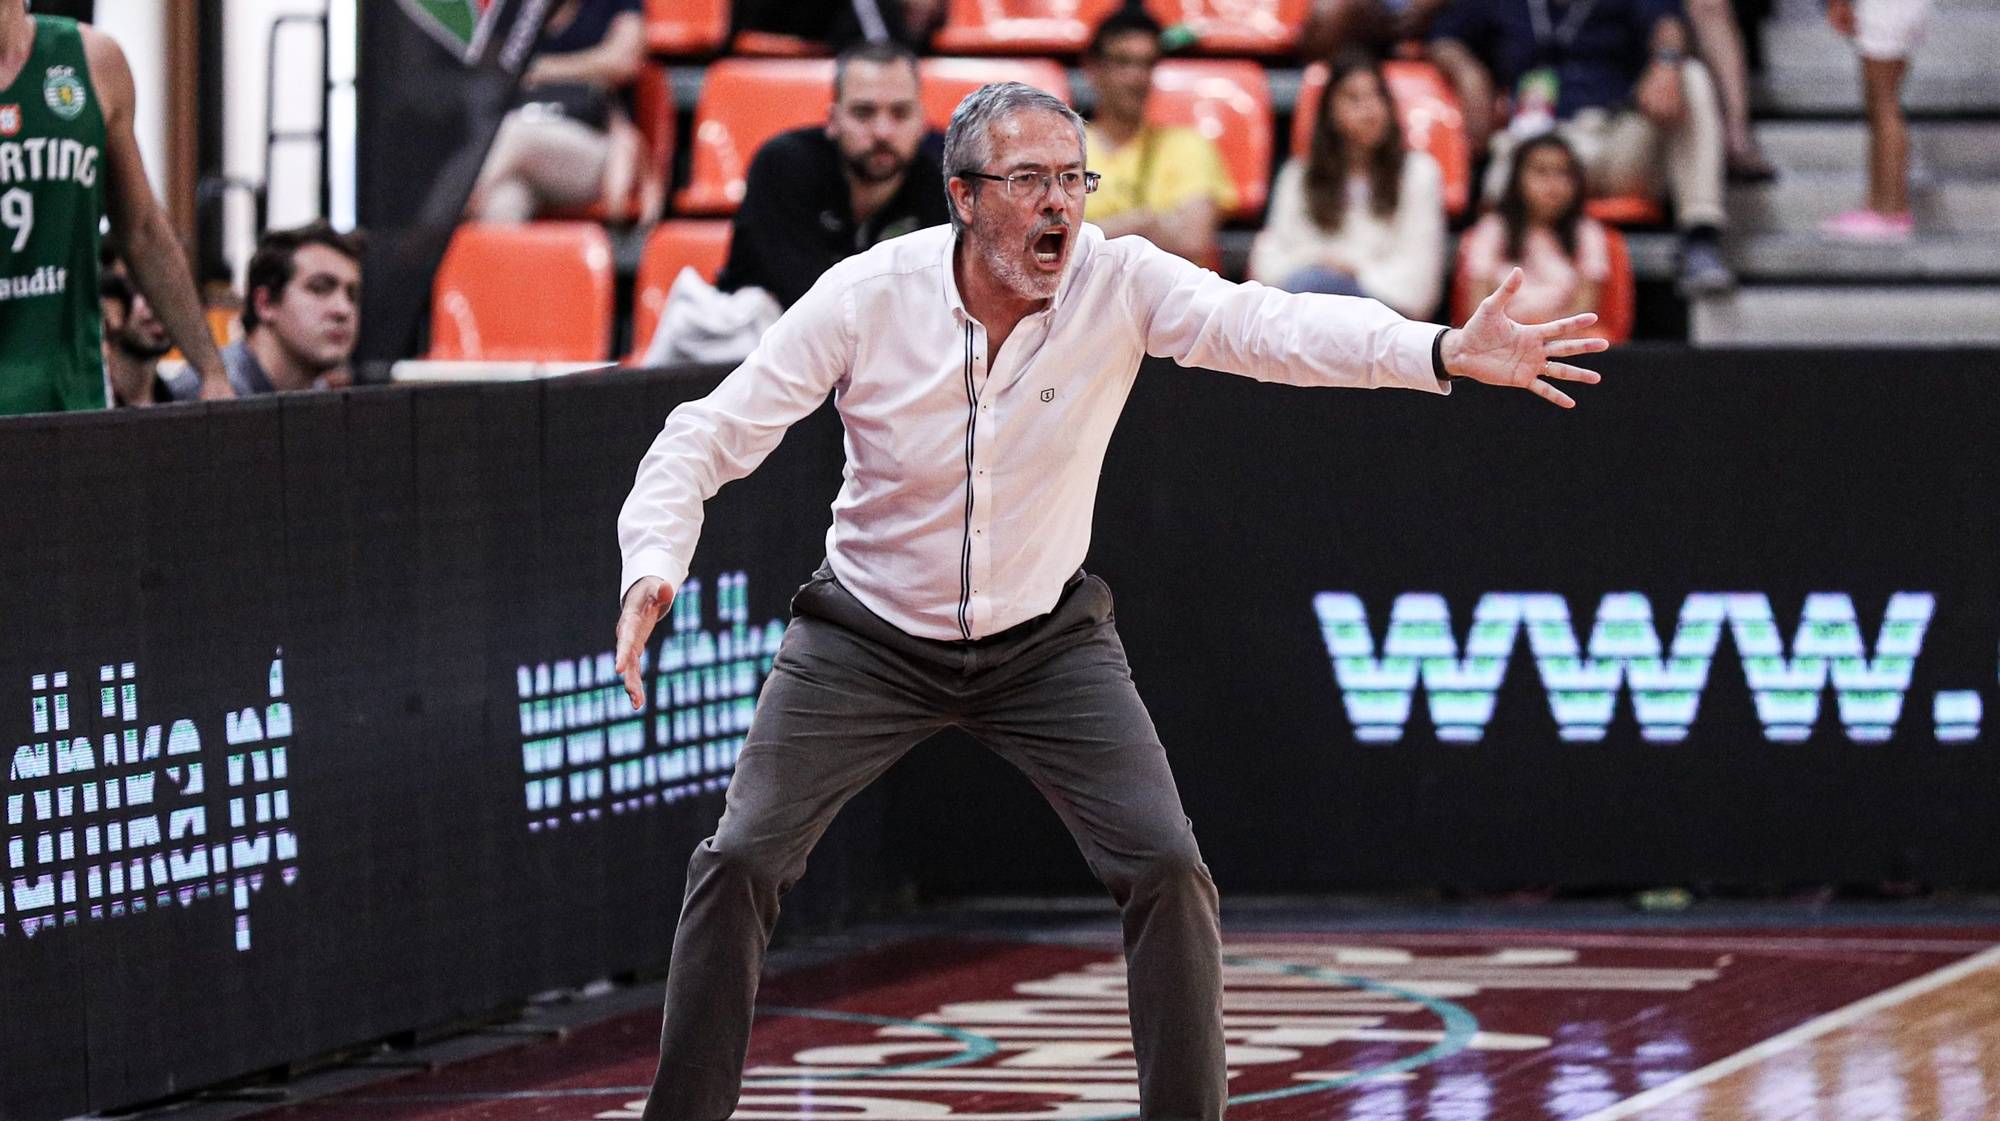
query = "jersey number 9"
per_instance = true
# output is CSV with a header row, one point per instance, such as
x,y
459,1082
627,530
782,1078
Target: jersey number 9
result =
x,y
17,213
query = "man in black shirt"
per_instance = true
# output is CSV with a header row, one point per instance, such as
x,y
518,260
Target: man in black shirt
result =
x,y
814,196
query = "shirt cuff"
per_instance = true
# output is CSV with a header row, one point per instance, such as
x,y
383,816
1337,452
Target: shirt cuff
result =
x,y
1410,356
652,562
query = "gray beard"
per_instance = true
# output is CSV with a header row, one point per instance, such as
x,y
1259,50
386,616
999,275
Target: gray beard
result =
x,y
1012,274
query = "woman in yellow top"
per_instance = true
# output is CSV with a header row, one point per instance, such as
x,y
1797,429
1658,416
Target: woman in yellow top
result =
x,y
1162,182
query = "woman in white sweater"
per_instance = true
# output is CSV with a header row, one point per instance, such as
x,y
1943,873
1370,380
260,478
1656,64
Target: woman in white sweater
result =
x,y
1362,215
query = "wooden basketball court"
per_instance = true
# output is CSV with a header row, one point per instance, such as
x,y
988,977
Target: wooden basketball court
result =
x,y
1429,1024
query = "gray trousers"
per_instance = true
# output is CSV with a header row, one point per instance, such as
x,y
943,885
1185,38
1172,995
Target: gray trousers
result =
x,y
847,696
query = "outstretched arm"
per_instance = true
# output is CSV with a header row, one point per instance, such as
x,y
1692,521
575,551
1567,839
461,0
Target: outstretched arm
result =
x,y
139,232
1492,347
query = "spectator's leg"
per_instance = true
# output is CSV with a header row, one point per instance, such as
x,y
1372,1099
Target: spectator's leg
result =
x,y
1694,153
1888,135
1721,45
1619,152
537,163
1319,278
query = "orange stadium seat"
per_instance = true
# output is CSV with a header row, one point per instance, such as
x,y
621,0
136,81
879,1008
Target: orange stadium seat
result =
x,y
1626,210
1428,109
946,81
1614,301
1244,27
1020,27
1230,103
539,292
744,102
700,244
686,27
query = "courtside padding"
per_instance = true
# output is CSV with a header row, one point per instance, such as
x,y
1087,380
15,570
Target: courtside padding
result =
x,y
347,649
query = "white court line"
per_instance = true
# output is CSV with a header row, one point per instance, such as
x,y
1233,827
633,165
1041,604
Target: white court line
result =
x,y
1804,1033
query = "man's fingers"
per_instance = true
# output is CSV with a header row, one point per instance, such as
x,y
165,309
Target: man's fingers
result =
x,y
1501,295
630,642
1556,329
1551,394
1567,372
1570,348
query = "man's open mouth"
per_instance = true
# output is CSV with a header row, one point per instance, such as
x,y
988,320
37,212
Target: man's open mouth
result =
x,y
1048,247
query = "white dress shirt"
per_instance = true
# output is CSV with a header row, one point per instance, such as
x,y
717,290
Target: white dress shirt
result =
x,y
970,483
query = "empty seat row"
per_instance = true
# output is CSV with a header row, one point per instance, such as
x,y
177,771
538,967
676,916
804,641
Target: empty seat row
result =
x,y
545,291
1002,27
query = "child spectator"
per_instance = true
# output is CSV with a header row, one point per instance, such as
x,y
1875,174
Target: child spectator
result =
x,y
1884,32
1363,215
1539,225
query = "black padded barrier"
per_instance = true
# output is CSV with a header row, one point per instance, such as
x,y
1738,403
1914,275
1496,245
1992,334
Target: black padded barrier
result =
x,y
1248,530
373,780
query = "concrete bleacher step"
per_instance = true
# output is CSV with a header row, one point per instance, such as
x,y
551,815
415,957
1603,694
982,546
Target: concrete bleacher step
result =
x,y
1778,315
1811,257
1938,149
1800,200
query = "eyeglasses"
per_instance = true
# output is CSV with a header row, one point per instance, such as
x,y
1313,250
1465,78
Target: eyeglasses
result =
x,y
1035,184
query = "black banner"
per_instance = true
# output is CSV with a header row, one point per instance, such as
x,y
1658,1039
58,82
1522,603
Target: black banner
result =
x,y
310,726
1733,620
312,736
434,79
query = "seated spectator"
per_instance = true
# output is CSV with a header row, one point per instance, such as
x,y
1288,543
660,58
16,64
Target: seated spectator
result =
x,y
843,23
302,314
134,342
1621,89
570,141
814,196
1884,33
1362,215
1539,225
1164,183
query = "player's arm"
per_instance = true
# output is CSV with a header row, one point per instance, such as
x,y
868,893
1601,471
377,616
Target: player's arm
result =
x,y
139,231
716,439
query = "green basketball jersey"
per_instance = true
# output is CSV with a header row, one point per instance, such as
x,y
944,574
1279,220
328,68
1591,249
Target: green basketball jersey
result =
x,y
51,202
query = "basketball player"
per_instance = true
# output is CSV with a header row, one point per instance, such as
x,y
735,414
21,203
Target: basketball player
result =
x,y
979,369
67,160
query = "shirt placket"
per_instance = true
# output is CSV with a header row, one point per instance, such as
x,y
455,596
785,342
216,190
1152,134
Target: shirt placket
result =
x,y
980,479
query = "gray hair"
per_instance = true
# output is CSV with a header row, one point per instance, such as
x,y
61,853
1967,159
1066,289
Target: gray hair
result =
x,y
968,141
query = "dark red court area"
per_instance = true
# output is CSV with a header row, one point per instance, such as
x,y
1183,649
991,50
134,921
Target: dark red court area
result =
x,y
1562,1025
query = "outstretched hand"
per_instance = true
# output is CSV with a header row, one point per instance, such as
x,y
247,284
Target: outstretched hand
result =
x,y
646,603
1492,347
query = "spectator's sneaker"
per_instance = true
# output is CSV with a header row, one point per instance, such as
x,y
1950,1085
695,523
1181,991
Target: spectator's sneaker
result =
x,y
1870,225
1703,272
